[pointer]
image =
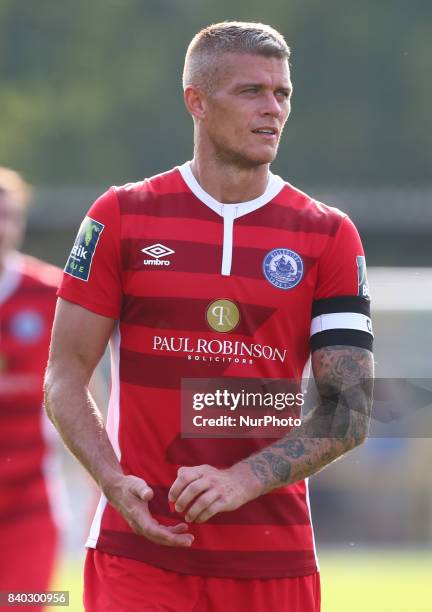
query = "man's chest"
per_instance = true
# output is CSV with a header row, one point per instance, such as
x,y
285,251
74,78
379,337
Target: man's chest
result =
x,y
192,289
191,258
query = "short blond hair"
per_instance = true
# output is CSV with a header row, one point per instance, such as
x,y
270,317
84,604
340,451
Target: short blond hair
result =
x,y
210,43
13,184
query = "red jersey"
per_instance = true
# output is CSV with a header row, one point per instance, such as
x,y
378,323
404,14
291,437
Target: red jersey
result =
x,y
27,302
202,289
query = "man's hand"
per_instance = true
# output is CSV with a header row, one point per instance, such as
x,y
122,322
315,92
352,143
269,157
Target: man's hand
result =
x,y
339,423
203,491
78,342
130,496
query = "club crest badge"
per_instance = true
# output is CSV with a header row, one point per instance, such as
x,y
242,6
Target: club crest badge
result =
x,y
283,268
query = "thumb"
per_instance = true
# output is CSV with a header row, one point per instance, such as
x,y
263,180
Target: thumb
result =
x,y
142,490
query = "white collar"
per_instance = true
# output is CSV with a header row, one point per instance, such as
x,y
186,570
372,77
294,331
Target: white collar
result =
x,y
274,186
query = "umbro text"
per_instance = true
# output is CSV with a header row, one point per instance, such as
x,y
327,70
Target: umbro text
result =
x,y
156,262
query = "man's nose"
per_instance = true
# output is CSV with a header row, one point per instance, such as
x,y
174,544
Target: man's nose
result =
x,y
271,106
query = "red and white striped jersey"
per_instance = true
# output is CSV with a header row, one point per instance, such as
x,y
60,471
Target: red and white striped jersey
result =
x,y
27,303
155,256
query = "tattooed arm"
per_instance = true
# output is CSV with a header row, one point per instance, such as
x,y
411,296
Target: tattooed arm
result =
x,y
340,422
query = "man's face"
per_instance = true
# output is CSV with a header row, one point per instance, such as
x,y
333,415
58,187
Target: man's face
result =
x,y
248,108
12,221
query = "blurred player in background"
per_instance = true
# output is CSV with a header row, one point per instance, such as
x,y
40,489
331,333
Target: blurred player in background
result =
x,y
217,268
28,531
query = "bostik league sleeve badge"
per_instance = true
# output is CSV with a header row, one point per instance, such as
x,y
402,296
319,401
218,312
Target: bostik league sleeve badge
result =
x,y
363,286
83,250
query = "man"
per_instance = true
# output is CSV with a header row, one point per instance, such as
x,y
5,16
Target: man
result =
x,y
216,269
28,532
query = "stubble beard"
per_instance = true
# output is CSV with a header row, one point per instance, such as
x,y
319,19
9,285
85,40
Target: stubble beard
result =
x,y
237,159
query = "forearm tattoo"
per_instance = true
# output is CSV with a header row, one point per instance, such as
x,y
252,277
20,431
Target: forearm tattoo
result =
x,y
344,379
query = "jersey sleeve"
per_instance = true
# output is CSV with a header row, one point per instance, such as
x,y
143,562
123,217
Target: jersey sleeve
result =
x,y
341,306
92,275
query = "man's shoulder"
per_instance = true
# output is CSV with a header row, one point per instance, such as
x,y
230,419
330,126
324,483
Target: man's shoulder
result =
x,y
298,211
295,197
147,196
157,185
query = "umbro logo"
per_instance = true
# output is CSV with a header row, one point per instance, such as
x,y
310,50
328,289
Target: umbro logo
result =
x,y
157,251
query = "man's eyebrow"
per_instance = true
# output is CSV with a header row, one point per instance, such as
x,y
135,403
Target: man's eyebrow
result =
x,y
287,88
246,85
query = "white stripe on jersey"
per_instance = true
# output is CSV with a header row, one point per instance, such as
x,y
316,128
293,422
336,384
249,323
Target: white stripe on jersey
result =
x,y
311,523
112,427
229,214
113,417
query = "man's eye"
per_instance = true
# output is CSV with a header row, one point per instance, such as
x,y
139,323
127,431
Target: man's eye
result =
x,y
251,90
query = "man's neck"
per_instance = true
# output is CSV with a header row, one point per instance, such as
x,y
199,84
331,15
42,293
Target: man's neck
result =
x,y
229,184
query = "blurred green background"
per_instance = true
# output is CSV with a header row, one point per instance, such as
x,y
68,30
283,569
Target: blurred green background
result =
x,y
91,96
91,90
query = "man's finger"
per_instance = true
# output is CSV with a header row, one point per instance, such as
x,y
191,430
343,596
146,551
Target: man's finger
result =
x,y
202,503
193,490
180,528
184,478
142,491
138,487
142,522
214,508
161,535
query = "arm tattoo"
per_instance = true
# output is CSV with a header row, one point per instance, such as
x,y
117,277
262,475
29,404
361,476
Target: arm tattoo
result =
x,y
344,378
291,448
269,466
259,468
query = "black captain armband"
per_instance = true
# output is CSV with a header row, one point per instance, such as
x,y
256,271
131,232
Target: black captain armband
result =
x,y
341,320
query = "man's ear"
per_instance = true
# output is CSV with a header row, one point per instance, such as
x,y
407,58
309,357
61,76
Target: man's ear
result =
x,y
195,101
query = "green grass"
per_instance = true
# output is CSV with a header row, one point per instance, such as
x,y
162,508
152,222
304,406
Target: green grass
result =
x,y
69,578
353,581
360,581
